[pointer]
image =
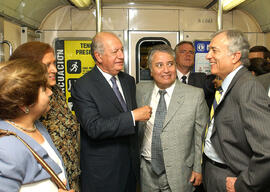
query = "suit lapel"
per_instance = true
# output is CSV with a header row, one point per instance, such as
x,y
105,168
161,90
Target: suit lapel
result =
x,y
107,90
148,95
175,103
242,71
191,79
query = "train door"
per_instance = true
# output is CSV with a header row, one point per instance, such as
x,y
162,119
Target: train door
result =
x,y
139,44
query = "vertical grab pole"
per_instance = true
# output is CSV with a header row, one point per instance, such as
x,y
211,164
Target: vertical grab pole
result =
x,y
98,17
219,15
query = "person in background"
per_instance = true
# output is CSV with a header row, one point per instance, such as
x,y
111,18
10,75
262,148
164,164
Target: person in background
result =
x,y
105,105
185,53
170,141
259,51
24,97
237,148
258,66
59,121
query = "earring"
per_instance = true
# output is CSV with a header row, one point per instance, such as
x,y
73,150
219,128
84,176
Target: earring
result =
x,y
26,110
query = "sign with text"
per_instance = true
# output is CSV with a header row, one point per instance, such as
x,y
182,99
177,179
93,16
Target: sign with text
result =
x,y
73,59
201,63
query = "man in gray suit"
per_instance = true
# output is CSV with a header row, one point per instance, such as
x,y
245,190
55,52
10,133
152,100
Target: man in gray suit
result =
x,y
170,148
237,147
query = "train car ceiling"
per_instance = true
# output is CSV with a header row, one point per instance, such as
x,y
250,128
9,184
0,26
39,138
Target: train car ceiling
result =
x,y
31,13
28,13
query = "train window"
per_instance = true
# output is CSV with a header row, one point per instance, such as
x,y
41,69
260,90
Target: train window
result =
x,y
142,48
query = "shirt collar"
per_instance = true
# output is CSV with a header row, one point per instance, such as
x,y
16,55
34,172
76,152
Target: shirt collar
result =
x,y
107,75
227,81
169,90
180,75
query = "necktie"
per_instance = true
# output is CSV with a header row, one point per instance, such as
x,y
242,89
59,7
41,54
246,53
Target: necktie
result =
x,y
118,94
157,161
216,101
184,79
213,108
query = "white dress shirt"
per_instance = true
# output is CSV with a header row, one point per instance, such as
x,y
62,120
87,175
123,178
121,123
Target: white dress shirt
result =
x,y
209,150
147,140
180,75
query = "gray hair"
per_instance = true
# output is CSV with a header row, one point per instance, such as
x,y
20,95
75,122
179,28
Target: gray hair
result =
x,y
237,42
97,44
159,48
182,43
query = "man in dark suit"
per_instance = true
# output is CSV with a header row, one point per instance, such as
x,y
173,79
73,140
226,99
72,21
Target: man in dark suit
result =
x,y
184,52
105,105
237,148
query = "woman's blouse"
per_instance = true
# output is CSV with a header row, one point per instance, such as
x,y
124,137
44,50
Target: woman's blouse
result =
x,y
47,184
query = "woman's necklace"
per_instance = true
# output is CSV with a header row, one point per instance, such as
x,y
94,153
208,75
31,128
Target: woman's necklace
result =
x,y
22,128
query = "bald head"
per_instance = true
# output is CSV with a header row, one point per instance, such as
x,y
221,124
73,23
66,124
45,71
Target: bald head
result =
x,y
107,50
98,42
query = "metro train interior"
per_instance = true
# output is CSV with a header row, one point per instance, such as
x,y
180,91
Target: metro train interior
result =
x,y
69,26
139,24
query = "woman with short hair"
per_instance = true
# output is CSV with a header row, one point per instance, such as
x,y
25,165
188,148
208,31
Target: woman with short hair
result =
x,y
59,121
24,97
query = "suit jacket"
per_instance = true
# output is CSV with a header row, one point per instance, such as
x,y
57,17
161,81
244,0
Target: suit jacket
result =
x,y
18,166
241,132
181,136
109,150
203,81
265,80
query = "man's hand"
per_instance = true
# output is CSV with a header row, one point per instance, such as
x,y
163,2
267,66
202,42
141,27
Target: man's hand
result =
x,y
230,184
196,178
143,113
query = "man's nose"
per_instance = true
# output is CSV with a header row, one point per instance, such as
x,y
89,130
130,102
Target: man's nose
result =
x,y
208,55
120,54
166,68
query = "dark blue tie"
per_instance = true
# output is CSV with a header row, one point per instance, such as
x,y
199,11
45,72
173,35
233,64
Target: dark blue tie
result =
x,y
184,79
118,94
157,161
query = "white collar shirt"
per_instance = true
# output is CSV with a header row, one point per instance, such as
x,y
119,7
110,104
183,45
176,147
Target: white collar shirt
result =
x,y
147,140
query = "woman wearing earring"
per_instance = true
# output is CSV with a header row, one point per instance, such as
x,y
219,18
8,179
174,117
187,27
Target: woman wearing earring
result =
x,y
24,97
59,121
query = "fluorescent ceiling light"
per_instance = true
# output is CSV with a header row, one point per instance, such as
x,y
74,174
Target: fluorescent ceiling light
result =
x,y
229,4
81,3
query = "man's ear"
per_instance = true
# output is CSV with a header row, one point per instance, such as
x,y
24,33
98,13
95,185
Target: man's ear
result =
x,y
98,57
236,57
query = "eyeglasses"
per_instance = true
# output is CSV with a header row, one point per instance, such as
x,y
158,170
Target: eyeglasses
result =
x,y
186,51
